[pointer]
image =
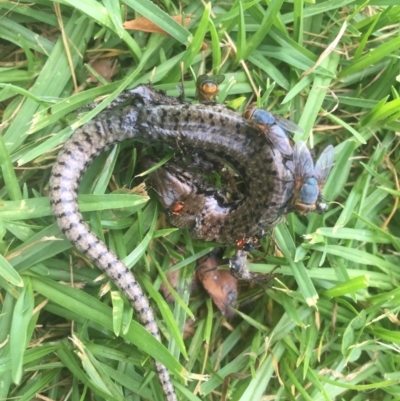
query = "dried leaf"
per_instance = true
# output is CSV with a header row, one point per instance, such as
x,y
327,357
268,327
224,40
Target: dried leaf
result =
x,y
189,329
145,25
105,67
220,285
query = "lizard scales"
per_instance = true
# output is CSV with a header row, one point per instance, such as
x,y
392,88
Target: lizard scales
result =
x,y
212,129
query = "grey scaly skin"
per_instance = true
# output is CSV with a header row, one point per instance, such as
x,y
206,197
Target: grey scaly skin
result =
x,y
78,152
221,134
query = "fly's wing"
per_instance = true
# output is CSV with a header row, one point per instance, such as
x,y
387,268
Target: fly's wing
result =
x,y
279,139
324,164
303,162
218,78
288,125
210,79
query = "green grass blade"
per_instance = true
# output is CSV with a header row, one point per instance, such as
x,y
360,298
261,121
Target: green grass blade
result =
x,y
333,311
348,287
51,81
149,10
372,57
19,333
316,96
8,273
269,18
286,245
215,47
194,46
93,310
40,207
9,176
263,376
241,39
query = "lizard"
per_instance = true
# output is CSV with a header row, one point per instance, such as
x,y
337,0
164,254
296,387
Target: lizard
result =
x,y
221,133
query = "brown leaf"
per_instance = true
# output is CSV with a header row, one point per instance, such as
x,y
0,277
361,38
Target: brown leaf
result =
x,y
104,67
220,285
145,25
188,329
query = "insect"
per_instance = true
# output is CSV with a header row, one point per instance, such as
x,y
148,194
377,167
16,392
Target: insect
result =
x,y
247,244
207,87
310,179
275,127
176,208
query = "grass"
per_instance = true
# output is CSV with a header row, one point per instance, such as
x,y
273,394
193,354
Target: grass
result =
x,y
327,330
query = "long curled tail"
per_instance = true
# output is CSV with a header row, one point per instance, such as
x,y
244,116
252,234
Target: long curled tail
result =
x,y
78,152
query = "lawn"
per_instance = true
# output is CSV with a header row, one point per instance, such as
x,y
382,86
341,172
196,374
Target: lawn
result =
x,y
326,329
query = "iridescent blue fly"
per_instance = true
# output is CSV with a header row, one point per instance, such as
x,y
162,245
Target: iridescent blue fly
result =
x,y
275,128
310,179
